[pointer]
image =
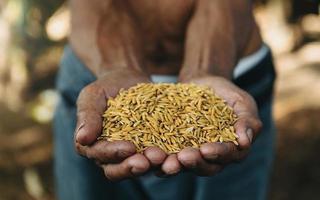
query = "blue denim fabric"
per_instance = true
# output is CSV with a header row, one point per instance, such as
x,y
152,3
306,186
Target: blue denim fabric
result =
x,y
78,178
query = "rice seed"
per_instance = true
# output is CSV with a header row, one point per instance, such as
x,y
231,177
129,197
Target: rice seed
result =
x,y
170,116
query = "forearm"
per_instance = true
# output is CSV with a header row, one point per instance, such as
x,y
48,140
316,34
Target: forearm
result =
x,y
104,36
219,33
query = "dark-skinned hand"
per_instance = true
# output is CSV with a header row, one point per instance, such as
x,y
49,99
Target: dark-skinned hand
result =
x,y
118,159
211,158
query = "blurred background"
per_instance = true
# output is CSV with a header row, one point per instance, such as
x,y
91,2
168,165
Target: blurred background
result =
x,y
32,36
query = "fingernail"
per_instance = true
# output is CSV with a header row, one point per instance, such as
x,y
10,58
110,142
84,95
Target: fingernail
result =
x,y
79,133
250,134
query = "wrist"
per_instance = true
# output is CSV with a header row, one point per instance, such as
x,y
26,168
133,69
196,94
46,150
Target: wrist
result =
x,y
204,76
122,73
187,73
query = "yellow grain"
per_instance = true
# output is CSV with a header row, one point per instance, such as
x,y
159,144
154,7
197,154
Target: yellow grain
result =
x,y
170,116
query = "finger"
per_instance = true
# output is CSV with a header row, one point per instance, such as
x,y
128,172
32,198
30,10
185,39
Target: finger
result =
x,y
132,166
110,152
248,124
105,152
91,104
191,159
220,152
171,165
247,127
155,155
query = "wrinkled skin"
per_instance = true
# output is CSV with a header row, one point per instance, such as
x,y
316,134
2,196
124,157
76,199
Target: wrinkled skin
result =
x,y
121,56
120,160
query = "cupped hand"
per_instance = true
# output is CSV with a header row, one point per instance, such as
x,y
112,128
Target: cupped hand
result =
x,y
211,158
118,159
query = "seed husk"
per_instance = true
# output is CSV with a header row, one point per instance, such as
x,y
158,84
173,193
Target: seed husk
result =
x,y
170,116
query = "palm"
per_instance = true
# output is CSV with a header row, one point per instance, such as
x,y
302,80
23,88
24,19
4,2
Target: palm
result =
x,y
211,157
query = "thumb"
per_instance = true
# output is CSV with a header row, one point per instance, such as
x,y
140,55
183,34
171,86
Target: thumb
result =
x,y
247,127
91,104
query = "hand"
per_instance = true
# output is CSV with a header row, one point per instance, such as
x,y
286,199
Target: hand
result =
x,y
118,159
212,157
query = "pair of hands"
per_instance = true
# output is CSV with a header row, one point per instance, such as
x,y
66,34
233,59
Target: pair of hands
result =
x,y
120,160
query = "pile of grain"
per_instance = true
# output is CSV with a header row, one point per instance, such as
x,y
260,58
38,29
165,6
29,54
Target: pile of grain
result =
x,y
170,116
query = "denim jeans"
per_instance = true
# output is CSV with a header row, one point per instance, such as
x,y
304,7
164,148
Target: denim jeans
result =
x,y
78,178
